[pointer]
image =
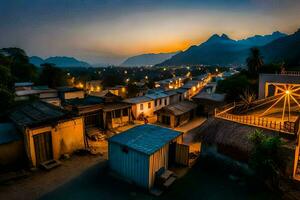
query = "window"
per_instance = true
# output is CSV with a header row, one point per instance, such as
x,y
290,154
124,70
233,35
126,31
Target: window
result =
x,y
156,102
159,101
125,112
141,106
165,101
117,113
149,105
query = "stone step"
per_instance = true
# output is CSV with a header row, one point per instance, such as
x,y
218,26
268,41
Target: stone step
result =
x,y
50,164
169,182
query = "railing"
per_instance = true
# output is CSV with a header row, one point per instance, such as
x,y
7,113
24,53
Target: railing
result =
x,y
268,123
291,73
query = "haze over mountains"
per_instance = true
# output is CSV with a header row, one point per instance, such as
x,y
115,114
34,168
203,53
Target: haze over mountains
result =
x,y
217,50
147,59
222,50
59,61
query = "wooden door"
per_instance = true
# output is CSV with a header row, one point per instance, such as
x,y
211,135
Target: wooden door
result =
x,y
43,147
182,154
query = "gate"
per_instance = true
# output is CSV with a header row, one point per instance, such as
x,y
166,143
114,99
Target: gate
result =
x,y
182,154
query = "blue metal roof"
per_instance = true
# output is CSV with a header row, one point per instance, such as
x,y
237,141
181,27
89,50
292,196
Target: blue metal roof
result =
x,y
145,138
8,133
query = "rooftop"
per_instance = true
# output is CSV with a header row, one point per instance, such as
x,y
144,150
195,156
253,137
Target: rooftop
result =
x,y
180,108
23,84
8,133
145,138
212,97
68,89
36,113
136,100
156,95
89,100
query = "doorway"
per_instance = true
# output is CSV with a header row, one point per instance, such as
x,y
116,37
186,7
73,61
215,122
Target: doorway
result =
x,y
43,147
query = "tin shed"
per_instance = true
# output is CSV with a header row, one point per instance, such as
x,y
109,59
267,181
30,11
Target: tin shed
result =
x,y
138,153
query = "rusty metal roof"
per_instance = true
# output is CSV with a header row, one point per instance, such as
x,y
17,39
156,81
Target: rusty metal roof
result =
x,y
179,108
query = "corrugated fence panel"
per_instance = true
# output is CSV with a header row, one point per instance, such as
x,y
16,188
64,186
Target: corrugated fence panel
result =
x,y
156,161
182,154
129,164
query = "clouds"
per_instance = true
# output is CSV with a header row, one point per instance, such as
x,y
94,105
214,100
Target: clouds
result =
x,y
110,30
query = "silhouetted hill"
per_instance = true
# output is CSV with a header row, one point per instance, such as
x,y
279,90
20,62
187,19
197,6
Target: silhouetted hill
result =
x,y
220,50
147,59
285,49
59,61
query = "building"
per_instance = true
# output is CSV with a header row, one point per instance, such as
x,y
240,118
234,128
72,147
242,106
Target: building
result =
x,y
105,112
182,92
177,114
270,84
160,99
118,90
141,106
139,153
93,86
208,101
11,146
174,96
48,131
170,84
66,93
23,86
44,93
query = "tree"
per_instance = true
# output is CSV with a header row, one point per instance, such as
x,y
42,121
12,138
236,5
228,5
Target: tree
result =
x,y
265,159
254,61
19,64
52,76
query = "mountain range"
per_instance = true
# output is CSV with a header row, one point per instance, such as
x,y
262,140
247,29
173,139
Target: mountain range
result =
x,y
59,61
222,50
147,59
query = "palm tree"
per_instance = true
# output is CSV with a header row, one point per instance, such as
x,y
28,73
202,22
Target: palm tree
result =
x,y
254,61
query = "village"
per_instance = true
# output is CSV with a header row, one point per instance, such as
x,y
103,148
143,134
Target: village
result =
x,y
150,140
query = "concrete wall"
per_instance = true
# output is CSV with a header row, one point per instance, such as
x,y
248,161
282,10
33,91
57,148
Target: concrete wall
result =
x,y
162,103
12,153
146,111
67,136
264,79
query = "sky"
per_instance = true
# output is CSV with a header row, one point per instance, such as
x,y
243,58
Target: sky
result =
x,y
109,31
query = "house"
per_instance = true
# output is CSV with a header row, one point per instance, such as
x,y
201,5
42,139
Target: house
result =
x,y
11,146
48,131
118,90
23,86
174,96
182,92
93,85
193,87
44,93
66,93
207,102
160,99
169,84
141,106
177,114
105,112
141,153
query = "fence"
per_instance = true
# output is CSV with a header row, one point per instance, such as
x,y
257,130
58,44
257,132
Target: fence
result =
x,y
291,73
286,127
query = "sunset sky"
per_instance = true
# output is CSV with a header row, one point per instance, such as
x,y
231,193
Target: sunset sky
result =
x,y
108,31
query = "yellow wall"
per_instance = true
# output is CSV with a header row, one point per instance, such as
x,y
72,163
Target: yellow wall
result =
x,y
67,136
74,95
146,111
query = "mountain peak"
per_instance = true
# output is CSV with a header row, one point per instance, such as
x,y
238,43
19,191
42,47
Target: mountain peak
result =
x,y
224,36
218,38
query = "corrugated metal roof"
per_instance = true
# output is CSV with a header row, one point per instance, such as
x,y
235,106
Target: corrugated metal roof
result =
x,y
212,97
35,113
138,99
145,138
157,95
8,133
179,108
